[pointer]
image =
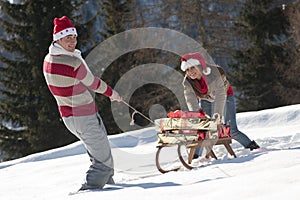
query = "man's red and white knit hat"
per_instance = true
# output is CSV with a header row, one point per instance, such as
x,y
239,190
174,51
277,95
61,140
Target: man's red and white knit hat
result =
x,y
194,59
62,28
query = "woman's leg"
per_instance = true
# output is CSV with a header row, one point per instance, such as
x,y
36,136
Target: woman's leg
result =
x,y
230,118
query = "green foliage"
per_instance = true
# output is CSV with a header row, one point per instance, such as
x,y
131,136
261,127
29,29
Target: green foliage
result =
x,y
118,16
259,68
113,14
266,73
25,99
13,143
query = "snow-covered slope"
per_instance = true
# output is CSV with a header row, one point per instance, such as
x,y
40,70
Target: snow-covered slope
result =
x,y
270,173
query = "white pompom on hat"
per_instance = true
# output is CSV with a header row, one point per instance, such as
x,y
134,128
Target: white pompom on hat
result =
x,y
63,27
194,59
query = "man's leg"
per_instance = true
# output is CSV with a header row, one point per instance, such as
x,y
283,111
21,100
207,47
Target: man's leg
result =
x,y
92,133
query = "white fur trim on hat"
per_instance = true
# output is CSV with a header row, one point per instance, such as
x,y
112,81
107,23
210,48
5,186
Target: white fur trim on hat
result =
x,y
65,32
189,63
207,71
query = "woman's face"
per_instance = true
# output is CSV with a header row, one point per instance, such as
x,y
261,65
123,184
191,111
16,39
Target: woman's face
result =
x,y
68,43
193,72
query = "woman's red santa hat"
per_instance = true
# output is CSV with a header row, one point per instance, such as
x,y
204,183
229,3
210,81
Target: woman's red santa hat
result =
x,y
63,27
194,59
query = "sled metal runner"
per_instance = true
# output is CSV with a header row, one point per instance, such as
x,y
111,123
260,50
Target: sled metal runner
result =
x,y
178,135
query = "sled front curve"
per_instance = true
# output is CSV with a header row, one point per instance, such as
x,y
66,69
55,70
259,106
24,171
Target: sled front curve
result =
x,y
186,162
157,160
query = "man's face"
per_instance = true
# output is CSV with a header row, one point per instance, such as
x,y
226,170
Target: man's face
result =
x,y
68,42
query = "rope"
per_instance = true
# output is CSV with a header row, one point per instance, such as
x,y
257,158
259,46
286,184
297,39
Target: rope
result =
x,y
136,111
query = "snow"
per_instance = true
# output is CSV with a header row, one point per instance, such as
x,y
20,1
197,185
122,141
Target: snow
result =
x,y
269,173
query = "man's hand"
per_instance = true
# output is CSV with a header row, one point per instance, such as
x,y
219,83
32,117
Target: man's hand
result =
x,y
116,97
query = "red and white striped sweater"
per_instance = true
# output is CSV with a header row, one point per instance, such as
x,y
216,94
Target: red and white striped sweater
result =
x,y
69,80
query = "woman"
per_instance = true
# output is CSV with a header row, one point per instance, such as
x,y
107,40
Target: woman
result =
x,y
211,90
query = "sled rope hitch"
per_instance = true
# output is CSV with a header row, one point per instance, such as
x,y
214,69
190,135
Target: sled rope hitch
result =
x,y
136,111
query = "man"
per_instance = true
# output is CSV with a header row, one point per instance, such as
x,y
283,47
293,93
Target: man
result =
x,y
210,88
72,83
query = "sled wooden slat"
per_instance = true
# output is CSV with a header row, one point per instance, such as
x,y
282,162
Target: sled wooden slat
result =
x,y
208,145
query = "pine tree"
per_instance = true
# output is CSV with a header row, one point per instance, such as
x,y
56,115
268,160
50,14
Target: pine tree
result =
x,y
29,114
123,15
218,34
116,17
260,66
289,88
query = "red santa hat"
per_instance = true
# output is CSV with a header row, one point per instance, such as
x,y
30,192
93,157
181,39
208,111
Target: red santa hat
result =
x,y
62,28
194,59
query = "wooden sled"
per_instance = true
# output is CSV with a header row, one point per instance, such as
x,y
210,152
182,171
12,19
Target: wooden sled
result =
x,y
188,134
